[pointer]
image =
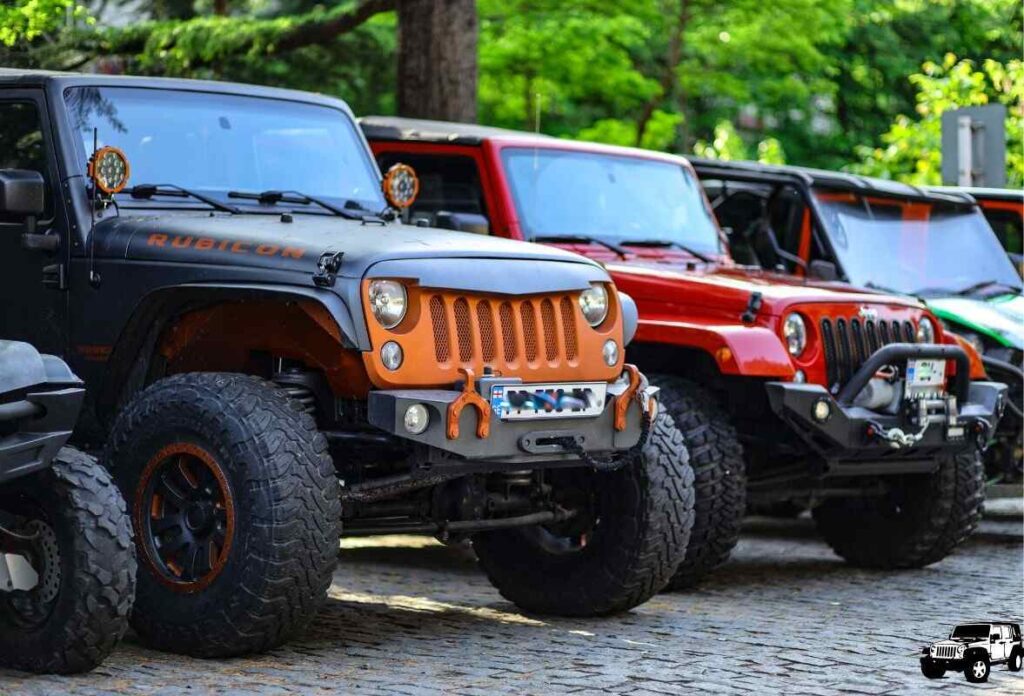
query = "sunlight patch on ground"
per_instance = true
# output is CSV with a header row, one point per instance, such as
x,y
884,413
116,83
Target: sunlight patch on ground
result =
x,y
431,606
404,541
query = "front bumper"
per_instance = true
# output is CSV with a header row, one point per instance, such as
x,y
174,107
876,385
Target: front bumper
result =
x,y
511,440
41,423
956,422
950,664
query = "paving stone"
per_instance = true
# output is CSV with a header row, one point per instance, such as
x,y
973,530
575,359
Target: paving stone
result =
x,y
783,616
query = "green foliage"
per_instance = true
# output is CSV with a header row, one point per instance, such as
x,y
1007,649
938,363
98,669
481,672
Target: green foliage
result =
x,y
911,148
25,21
728,145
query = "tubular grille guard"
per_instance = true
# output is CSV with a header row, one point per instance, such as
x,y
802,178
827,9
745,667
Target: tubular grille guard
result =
x,y
534,329
848,343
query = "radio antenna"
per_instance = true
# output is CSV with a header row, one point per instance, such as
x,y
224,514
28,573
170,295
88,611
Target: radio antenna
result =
x,y
94,277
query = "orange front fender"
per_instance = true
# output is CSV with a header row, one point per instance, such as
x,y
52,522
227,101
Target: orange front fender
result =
x,y
738,349
977,368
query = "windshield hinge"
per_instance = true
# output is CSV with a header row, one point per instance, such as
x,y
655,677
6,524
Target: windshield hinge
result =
x,y
55,276
753,307
327,268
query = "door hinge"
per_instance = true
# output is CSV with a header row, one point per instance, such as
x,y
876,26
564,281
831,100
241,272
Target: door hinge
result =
x,y
55,276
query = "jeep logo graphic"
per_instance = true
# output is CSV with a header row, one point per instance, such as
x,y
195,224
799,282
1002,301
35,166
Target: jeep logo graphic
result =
x,y
177,241
867,313
973,648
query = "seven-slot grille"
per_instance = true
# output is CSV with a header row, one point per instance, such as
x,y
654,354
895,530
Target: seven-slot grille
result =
x,y
504,333
945,651
849,342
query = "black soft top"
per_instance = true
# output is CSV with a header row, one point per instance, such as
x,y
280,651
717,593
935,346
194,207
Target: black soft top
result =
x,y
757,172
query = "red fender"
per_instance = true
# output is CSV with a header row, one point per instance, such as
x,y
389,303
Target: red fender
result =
x,y
738,349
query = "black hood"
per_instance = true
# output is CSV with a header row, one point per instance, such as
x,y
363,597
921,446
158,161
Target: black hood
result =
x,y
268,241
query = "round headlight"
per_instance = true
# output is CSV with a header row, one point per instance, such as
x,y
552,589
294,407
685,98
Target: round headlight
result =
x,y
960,649
594,303
387,302
925,331
795,332
391,355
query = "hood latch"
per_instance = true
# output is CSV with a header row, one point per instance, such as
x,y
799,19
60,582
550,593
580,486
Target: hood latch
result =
x,y
327,268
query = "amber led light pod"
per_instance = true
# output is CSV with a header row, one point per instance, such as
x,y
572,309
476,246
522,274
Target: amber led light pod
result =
x,y
401,186
109,170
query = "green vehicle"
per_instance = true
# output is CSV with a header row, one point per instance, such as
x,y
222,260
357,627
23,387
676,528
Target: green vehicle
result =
x,y
934,245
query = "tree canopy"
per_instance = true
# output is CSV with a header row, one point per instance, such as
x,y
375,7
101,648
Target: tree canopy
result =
x,y
828,83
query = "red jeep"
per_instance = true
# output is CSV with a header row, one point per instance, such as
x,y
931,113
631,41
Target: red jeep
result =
x,y
787,390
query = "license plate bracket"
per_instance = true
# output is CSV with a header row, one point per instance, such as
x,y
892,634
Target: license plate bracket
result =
x,y
926,377
542,401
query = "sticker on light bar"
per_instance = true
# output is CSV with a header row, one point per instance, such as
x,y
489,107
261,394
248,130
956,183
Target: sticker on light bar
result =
x,y
537,401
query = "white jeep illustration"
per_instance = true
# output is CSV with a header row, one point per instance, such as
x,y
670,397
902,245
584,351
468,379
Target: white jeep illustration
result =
x,y
972,648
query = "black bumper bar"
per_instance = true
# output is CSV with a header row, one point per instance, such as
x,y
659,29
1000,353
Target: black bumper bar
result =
x,y
42,423
901,352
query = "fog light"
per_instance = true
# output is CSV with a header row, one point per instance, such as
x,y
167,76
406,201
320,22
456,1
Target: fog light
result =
x,y
391,355
610,352
821,410
799,377
417,418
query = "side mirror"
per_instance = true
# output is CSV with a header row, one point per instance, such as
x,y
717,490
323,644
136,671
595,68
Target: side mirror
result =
x,y
22,192
822,270
462,222
993,639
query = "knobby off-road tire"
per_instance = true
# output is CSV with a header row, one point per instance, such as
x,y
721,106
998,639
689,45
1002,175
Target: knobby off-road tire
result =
x,y
85,516
932,670
644,514
719,474
921,520
258,552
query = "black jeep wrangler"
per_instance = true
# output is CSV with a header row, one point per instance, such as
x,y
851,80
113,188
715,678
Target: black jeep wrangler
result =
x,y
269,355
67,562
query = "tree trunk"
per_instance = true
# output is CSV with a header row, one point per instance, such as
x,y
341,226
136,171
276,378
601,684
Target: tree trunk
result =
x,y
437,59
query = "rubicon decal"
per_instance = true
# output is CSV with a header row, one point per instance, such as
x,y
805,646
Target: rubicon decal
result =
x,y
179,241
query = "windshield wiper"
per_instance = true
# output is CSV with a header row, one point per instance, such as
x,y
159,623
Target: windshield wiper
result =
x,y
147,191
579,239
981,285
295,197
665,243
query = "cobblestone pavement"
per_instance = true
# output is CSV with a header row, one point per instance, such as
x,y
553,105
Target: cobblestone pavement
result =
x,y
407,616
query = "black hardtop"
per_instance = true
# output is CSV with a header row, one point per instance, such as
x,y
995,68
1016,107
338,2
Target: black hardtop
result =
x,y
423,130
757,172
62,80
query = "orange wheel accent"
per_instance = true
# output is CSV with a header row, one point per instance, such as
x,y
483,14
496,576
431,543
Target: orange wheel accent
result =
x,y
469,397
184,517
628,396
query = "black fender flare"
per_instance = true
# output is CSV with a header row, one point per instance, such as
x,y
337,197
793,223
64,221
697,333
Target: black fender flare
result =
x,y
129,362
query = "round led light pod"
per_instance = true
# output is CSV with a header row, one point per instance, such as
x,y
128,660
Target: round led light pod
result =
x,y
416,419
821,411
391,355
401,186
109,170
610,352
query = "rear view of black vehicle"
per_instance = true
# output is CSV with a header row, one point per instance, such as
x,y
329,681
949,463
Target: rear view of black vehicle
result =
x,y
67,564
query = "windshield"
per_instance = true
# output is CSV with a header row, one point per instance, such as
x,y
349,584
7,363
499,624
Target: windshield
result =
x,y
215,143
913,247
971,631
620,199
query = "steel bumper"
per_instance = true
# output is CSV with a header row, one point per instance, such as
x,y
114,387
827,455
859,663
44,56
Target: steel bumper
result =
x,y
961,420
514,440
